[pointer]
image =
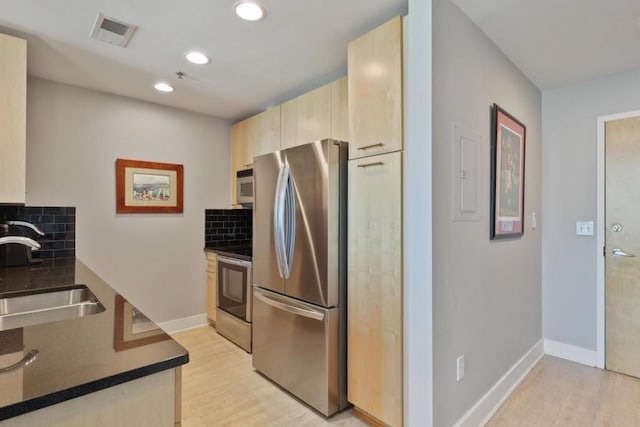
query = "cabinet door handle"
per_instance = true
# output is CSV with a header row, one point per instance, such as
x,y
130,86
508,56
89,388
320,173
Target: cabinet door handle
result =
x,y
365,147
248,164
366,165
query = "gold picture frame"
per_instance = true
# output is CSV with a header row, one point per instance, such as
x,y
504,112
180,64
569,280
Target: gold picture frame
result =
x,y
149,187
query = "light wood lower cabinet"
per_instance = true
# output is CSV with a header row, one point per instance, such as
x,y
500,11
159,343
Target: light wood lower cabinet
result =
x,y
148,401
375,287
212,286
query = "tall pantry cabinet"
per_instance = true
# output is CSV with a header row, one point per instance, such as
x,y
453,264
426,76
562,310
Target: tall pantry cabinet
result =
x,y
13,119
375,224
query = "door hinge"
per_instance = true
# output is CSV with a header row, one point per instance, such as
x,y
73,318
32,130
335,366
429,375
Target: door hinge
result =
x,y
604,251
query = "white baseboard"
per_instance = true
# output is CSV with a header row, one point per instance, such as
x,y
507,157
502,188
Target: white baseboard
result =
x,y
571,352
186,323
486,407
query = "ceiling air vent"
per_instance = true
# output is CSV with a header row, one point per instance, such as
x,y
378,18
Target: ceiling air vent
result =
x,y
112,31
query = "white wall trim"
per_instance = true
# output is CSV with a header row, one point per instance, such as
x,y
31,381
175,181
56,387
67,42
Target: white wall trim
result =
x,y
570,352
486,407
185,323
600,228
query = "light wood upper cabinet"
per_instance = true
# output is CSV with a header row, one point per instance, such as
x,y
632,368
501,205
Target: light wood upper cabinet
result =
x,y
264,133
339,109
374,297
319,114
257,135
375,91
307,118
241,151
314,115
289,123
239,154
13,120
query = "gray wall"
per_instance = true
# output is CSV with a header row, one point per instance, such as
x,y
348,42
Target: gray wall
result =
x,y
486,294
75,135
569,188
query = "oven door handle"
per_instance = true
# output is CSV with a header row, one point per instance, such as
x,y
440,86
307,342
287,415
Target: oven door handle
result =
x,y
299,311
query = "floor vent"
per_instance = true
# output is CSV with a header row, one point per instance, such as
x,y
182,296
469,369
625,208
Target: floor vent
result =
x,y
112,31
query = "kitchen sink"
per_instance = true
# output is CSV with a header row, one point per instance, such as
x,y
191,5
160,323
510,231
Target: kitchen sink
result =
x,y
47,305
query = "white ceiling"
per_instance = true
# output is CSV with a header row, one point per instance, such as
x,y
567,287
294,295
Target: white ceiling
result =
x,y
300,45
561,42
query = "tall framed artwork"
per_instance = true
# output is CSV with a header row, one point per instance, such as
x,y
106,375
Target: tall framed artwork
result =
x,y
508,142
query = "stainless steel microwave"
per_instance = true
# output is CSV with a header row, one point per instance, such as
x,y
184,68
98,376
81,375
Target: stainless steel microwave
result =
x,y
244,187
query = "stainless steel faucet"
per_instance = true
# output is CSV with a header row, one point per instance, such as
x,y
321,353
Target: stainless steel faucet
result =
x,y
26,241
25,224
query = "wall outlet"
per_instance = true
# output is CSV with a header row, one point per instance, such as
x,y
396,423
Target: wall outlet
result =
x,y
460,368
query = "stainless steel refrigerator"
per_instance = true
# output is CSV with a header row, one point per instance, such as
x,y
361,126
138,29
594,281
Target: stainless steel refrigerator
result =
x,y
299,271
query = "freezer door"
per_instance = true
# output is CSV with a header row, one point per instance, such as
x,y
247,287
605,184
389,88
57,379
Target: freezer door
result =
x,y
318,174
266,272
297,346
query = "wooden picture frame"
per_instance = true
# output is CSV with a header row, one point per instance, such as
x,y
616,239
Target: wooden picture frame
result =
x,y
508,142
148,187
132,328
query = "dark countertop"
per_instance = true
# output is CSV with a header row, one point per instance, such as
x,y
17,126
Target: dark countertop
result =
x,y
243,252
76,356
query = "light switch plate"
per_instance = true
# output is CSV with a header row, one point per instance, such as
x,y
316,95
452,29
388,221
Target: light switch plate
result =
x,y
584,228
460,368
534,221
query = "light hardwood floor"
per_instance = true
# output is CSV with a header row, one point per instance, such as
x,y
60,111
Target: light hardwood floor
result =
x,y
220,388
561,393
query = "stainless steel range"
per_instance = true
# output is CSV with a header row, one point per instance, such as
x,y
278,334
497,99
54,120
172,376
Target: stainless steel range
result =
x,y
233,314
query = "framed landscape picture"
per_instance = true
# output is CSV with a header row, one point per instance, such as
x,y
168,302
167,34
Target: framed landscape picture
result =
x,y
507,174
148,187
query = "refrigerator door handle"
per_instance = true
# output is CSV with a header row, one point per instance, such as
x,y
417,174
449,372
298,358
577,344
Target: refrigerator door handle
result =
x,y
299,311
278,221
289,222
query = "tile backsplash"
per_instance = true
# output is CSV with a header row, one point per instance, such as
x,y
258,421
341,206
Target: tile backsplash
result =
x,y
228,227
58,224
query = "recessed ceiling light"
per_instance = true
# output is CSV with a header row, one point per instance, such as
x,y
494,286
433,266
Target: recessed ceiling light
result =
x,y
198,58
163,87
249,10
